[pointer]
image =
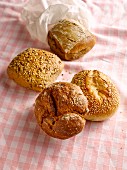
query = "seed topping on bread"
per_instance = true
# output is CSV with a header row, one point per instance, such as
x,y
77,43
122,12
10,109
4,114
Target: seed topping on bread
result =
x,y
102,94
35,68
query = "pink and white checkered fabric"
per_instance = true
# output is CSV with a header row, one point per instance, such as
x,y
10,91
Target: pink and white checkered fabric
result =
x,y
101,146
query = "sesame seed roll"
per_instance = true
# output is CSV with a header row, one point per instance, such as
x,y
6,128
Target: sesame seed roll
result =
x,y
102,94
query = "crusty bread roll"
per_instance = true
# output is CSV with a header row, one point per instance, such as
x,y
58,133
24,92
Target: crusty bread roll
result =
x,y
102,94
69,40
60,109
35,69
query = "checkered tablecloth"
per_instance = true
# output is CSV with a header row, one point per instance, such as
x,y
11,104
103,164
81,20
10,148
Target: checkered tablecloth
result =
x,y
101,145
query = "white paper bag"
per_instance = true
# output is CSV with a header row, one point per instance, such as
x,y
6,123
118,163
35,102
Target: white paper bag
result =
x,y
40,15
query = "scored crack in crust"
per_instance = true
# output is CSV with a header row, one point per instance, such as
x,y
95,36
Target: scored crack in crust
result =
x,y
60,109
102,95
35,68
69,40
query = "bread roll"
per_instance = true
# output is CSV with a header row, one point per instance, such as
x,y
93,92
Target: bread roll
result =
x,y
60,109
102,95
69,40
35,69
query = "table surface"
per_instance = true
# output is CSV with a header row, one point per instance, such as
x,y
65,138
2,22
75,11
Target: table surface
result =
x,y
101,145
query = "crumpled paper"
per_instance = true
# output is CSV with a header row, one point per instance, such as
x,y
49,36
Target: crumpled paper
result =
x,y
40,15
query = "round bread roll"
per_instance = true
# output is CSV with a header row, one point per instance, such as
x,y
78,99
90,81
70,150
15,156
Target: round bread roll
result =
x,y
70,40
35,69
102,95
60,109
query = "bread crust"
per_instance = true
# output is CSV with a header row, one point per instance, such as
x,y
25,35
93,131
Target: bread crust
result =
x,y
69,40
35,69
102,94
60,109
